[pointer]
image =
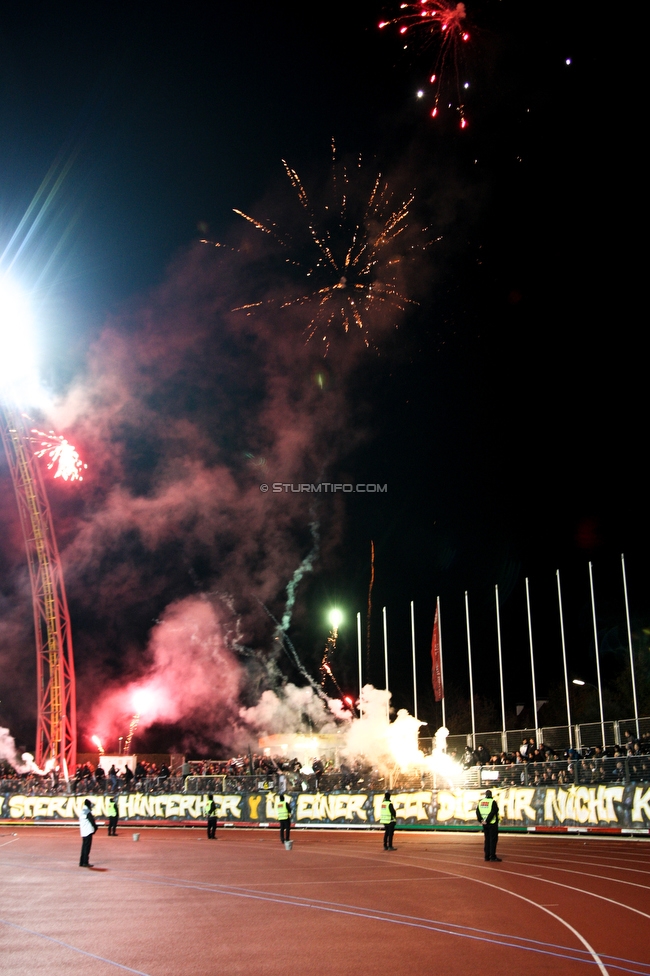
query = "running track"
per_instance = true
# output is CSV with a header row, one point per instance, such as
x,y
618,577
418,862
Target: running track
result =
x,y
176,904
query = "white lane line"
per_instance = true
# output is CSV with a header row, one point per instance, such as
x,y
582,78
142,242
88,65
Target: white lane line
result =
x,y
618,865
558,918
584,874
559,884
515,894
350,881
12,841
66,945
377,915
548,911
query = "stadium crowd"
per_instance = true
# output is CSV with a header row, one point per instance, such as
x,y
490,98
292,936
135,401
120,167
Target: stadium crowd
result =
x,y
533,765
530,765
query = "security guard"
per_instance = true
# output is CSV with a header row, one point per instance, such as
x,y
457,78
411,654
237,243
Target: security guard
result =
x,y
284,816
487,813
112,816
388,818
212,818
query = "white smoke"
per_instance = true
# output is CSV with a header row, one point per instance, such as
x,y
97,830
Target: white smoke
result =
x,y
373,738
9,754
291,709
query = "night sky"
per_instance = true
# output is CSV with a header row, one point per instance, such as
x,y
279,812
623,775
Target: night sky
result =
x,y
504,413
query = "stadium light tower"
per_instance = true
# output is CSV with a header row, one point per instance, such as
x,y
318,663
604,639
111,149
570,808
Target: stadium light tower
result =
x,y
56,723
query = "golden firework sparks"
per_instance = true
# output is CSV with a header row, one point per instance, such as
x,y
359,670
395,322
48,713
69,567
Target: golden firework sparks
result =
x,y
354,270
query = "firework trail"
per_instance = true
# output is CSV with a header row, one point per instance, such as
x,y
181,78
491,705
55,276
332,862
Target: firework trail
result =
x,y
326,665
62,455
291,652
306,566
135,721
443,24
349,256
280,633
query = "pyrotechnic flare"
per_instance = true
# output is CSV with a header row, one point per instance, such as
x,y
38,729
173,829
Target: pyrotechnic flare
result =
x,y
350,255
97,741
330,647
62,454
440,763
444,25
135,721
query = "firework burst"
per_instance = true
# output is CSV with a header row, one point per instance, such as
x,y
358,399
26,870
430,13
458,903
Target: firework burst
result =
x,y
350,256
436,22
62,455
326,665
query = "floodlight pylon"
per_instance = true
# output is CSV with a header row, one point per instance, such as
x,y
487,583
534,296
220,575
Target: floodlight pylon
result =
x,y
56,723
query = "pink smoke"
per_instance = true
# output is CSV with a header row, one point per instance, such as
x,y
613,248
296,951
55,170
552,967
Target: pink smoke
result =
x,y
191,673
184,409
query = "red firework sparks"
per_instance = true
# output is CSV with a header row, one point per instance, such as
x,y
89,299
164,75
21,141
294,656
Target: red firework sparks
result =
x,y
62,455
443,24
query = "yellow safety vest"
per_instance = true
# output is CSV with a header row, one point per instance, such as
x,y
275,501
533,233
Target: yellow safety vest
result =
x,y
283,810
484,806
386,816
112,809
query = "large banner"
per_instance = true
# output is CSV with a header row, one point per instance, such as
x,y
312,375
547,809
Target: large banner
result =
x,y
625,807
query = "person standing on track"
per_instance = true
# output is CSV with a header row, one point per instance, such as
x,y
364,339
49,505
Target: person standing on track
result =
x,y
112,816
388,818
212,818
284,817
487,813
87,828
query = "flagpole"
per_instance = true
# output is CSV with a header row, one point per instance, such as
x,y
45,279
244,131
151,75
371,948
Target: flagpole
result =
x,y
386,664
504,738
566,674
532,662
629,644
442,675
600,686
471,680
415,682
360,674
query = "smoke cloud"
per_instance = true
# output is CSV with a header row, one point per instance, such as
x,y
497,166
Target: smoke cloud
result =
x,y
171,551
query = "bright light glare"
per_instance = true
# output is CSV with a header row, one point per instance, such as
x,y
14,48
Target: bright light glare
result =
x,y
335,618
577,681
144,700
18,377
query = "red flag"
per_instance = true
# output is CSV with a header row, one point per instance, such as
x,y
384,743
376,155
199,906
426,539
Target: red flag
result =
x,y
436,663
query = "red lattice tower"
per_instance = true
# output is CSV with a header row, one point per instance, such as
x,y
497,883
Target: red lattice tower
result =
x,y
56,725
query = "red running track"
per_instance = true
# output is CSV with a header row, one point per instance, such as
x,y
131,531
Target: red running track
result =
x,y
176,904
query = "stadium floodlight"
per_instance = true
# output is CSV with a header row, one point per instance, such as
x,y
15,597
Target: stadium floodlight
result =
x,y
579,681
18,374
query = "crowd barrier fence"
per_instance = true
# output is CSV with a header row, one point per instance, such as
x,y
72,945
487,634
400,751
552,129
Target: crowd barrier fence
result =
x,y
583,736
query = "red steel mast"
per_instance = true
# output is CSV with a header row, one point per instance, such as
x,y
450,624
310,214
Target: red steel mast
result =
x,y
56,726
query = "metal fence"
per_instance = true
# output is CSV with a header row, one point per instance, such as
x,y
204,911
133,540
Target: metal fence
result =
x,y
590,771
584,736
33,785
